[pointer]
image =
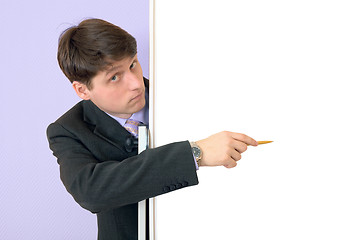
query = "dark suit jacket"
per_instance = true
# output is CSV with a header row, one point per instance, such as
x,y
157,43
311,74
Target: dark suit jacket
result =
x,y
106,179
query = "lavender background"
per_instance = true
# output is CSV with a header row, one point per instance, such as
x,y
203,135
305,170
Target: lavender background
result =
x,y
34,93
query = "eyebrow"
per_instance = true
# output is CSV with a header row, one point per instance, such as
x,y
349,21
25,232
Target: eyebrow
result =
x,y
113,69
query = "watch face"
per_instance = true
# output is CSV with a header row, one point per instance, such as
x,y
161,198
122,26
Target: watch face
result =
x,y
196,152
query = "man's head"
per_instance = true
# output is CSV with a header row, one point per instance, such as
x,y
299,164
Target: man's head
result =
x,y
100,60
90,47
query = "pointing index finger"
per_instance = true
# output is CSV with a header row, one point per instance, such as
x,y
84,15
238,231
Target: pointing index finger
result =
x,y
244,138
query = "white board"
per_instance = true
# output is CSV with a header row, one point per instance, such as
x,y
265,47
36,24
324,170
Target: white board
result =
x,y
286,71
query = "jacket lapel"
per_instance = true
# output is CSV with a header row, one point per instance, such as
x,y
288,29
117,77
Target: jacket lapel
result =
x,y
104,126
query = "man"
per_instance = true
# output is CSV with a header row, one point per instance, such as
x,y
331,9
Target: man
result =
x,y
98,165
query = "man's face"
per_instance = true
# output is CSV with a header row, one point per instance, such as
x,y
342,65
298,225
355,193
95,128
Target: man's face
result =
x,y
119,90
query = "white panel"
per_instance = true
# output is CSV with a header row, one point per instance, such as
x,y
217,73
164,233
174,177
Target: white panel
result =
x,y
276,70
143,144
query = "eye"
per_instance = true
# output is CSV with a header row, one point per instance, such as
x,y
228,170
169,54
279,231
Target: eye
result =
x,y
114,78
133,65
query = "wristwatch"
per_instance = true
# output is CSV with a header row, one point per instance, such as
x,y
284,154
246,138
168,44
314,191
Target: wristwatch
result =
x,y
197,152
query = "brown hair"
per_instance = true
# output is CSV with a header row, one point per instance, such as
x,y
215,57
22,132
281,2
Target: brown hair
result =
x,y
90,47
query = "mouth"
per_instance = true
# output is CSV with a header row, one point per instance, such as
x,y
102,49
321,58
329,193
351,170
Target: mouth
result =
x,y
137,97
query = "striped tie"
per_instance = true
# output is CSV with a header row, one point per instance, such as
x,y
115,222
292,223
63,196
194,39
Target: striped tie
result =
x,y
132,126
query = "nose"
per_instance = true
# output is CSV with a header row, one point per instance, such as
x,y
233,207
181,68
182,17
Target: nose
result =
x,y
135,81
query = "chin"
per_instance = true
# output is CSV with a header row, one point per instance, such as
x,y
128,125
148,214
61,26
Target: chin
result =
x,y
141,105
137,107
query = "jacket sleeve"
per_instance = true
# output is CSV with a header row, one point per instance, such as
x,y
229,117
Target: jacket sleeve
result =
x,y
99,186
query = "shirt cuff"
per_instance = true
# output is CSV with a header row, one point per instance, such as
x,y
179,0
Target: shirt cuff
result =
x,y
196,165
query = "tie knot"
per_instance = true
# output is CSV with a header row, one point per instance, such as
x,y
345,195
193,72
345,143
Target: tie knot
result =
x,y
132,126
132,122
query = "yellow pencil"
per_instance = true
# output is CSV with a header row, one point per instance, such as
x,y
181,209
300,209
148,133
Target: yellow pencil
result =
x,y
264,142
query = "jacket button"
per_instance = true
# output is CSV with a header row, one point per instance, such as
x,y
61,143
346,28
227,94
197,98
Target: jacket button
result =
x,y
172,187
185,183
179,185
166,189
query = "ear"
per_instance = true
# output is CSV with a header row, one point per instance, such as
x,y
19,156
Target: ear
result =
x,y
81,90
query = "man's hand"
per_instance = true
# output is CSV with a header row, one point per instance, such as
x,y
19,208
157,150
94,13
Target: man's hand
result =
x,y
224,148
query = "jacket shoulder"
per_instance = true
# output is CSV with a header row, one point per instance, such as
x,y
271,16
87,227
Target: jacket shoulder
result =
x,y
72,119
76,112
